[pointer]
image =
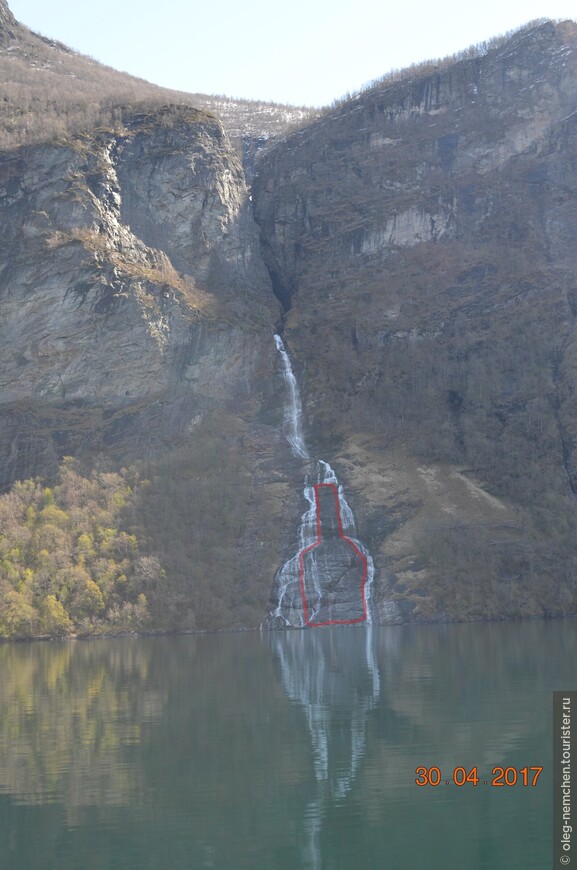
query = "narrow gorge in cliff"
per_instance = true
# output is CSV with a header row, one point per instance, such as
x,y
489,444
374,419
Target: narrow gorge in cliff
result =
x,y
288,368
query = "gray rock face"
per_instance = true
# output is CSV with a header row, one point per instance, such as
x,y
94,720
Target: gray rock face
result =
x,y
127,312
413,161
185,193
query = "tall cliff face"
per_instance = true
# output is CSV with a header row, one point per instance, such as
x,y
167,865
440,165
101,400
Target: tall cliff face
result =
x,y
422,239
132,288
186,195
419,160
136,323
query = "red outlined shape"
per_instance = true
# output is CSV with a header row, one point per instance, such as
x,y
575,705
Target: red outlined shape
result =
x,y
312,547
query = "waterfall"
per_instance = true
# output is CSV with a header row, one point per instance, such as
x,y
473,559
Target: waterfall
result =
x,y
319,587
293,409
291,610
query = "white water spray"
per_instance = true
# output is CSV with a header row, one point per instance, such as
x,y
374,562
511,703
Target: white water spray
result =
x,y
293,410
307,659
289,609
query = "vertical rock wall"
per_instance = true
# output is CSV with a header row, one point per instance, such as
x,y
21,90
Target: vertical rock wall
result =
x,y
130,276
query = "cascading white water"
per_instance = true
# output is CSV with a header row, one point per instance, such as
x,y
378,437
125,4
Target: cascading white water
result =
x,y
350,529
289,609
307,659
293,411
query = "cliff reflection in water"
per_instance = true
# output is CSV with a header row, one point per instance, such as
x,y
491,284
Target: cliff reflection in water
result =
x,y
337,686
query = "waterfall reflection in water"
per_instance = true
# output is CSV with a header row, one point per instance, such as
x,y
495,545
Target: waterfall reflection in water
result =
x,y
290,750
336,697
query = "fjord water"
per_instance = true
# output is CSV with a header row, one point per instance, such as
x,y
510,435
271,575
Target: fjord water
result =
x,y
280,750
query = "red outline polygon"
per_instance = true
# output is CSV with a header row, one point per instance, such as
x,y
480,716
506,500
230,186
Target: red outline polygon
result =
x,y
312,547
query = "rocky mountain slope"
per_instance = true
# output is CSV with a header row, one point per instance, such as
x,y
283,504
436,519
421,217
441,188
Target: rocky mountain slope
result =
x,y
136,321
131,258
421,237
415,245
50,91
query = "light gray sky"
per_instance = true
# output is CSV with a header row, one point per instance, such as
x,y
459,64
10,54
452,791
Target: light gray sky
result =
x,y
302,51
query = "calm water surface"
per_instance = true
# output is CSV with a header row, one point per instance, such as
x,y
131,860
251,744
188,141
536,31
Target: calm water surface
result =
x,y
282,751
